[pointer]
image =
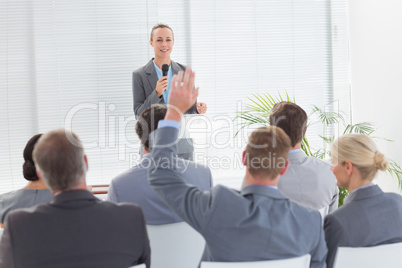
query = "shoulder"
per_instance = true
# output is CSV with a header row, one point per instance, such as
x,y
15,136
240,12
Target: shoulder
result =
x,y
185,165
125,212
393,198
24,215
141,71
181,66
305,213
319,162
130,176
9,197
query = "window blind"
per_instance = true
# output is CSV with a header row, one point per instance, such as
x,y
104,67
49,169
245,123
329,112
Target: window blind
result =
x,y
68,64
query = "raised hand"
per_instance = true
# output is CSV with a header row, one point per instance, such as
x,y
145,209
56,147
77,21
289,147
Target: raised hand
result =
x,y
181,96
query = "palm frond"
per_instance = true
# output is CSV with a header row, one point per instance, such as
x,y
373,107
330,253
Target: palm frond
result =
x,y
328,118
395,170
328,140
365,128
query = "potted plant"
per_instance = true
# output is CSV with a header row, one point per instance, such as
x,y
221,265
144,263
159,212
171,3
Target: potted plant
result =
x,y
258,111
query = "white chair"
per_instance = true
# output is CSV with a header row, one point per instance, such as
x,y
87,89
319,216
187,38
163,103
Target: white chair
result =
x,y
138,266
369,257
175,245
298,262
324,212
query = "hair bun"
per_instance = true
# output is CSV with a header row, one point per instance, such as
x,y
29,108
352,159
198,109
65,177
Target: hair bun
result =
x,y
29,171
380,161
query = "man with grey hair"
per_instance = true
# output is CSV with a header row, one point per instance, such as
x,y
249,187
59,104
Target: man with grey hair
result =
x,y
75,229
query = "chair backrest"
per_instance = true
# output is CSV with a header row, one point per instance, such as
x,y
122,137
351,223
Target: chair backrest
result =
x,y
175,245
324,212
298,262
369,257
138,266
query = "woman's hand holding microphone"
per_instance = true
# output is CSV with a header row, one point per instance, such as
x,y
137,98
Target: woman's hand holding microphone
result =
x,y
161,85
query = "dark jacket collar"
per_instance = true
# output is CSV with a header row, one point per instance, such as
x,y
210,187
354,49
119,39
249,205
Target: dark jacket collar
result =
x,y
262,190
365,193
74,198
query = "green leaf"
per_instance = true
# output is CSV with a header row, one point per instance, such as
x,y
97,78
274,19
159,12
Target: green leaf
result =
x,y
365,128
395,170
328,118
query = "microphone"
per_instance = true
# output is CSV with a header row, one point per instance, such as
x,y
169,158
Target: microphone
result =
x,y
165,69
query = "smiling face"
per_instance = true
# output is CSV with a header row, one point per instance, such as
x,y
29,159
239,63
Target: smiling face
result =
x,y
162,42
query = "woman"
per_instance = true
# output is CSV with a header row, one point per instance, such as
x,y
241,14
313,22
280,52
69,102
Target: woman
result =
x,y
35,192
149,84
369,217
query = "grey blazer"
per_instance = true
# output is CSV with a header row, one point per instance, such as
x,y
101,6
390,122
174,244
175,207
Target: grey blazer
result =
x,y
257,224
369,217
132,186
22,198
310,182
75,230
144,84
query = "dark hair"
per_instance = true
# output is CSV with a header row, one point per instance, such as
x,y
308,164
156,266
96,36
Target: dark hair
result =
x,y
291,118
148,122
28,168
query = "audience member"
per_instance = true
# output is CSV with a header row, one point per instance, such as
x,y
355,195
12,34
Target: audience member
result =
x,y
34,193
308,180
257,224
132,186
368,217
75,229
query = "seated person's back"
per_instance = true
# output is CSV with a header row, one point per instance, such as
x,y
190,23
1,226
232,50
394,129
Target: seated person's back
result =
x,y
257,224
34,193
132,186
368,217
76,229
308,180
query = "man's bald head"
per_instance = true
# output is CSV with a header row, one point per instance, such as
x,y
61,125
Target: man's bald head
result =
x,y
59,157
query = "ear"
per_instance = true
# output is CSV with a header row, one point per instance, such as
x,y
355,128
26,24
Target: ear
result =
x,y
285,168
151,43
86,161
39,175
244,158
349,167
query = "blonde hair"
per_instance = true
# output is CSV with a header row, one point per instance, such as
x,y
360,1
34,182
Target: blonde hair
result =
x,y
362,152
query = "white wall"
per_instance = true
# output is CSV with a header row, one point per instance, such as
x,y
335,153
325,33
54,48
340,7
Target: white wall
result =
x,y
376,71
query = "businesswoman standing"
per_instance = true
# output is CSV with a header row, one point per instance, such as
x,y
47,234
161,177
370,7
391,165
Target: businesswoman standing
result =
x,y
149,84
369,217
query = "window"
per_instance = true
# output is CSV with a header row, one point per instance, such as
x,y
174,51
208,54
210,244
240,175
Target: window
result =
x,y
68,64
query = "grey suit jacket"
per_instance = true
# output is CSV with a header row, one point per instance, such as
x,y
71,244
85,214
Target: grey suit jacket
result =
x,y
75,230
310,182
22,198
144,84
257,224
369,217
132,186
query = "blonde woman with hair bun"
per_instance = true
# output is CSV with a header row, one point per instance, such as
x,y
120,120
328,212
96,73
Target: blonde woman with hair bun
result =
x,y
369,217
